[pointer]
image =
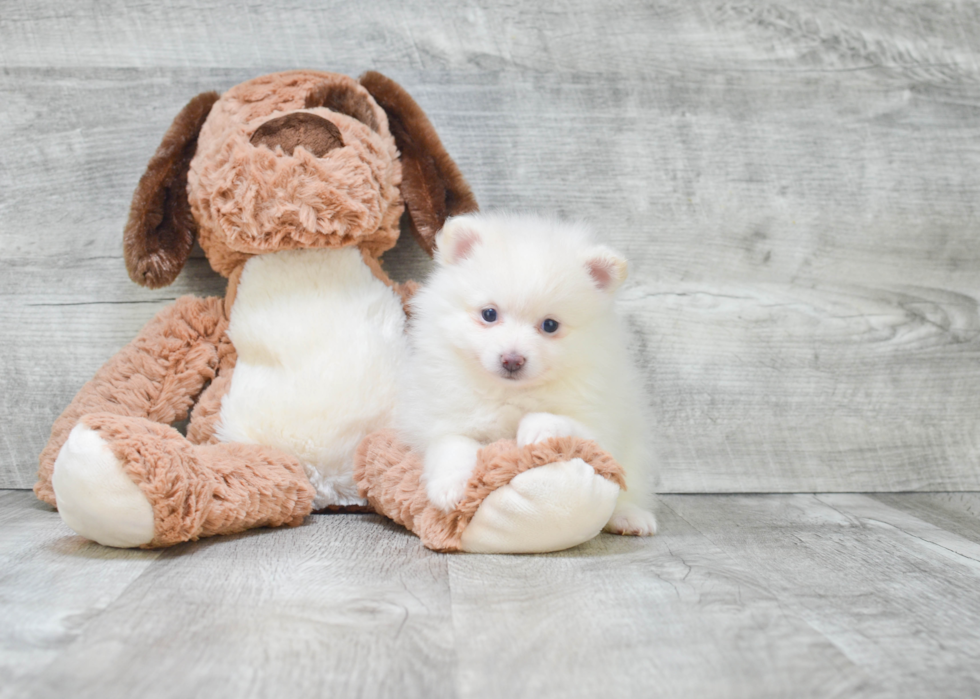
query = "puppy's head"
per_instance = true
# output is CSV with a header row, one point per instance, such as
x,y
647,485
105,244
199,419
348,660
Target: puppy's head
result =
x,y
522,299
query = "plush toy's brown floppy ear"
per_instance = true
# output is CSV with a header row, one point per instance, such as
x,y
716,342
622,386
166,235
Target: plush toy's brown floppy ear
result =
x,y
160,231
432,185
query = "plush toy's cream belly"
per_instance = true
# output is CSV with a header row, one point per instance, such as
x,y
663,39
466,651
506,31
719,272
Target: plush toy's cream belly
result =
x,y
320,341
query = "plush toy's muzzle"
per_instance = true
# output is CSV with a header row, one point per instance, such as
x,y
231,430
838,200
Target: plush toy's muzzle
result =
x,y
272,173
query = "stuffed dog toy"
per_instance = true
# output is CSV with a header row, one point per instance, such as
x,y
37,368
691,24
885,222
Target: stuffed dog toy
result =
x,y
293,184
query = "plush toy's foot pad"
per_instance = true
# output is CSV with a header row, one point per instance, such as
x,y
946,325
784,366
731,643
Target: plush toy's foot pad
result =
x,y
95,496
565,504
125,481
548,508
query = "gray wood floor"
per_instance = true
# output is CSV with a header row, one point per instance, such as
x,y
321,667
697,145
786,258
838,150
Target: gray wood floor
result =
x,y
740,596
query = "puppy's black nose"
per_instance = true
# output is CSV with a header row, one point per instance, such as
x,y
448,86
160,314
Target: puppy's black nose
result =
x,y
512,361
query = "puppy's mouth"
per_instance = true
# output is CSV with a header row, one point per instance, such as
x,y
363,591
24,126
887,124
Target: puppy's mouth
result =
x,y
516,376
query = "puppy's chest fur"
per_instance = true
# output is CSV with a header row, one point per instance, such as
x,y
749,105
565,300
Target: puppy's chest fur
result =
x,y
320,342
489,416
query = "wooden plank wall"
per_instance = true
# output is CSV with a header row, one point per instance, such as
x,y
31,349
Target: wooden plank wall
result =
x,y
797,184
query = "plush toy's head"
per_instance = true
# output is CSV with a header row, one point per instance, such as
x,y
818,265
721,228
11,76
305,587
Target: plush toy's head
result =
x,y
302,159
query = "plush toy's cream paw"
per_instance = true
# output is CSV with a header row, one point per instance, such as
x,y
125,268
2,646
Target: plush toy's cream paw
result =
x,y
449,463
631,520
537,427
548,508
95,496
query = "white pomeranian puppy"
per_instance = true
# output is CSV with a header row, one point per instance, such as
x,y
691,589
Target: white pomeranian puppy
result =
x,y
515,335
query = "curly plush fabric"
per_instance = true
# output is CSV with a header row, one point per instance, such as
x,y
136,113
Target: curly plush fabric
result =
x,y
157,375
389,475
249,199
203,427
201,490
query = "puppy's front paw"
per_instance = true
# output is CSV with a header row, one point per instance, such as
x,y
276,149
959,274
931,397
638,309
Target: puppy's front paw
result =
x,y
630,520
537,427
449,463
446,491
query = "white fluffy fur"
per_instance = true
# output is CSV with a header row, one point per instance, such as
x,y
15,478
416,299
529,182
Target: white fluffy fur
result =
x,y
579,380
320,344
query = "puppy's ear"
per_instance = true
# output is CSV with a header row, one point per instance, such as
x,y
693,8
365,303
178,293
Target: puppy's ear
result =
x,y
432,185
456,241
160,231
606,268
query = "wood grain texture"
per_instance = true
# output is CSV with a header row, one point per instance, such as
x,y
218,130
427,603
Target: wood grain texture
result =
x,y
52,584
797,185
738,597
786,387
955,512
895,594
672,616
342,606
573,36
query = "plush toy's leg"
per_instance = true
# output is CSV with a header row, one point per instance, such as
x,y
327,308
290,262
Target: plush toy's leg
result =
x,y
543,497
157,376
128,482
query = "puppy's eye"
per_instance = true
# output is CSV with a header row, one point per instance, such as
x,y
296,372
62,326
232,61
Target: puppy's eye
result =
x,y
549,325
489,315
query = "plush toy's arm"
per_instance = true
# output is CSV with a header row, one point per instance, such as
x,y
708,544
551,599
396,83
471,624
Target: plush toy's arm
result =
x,y
156,376
542,497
